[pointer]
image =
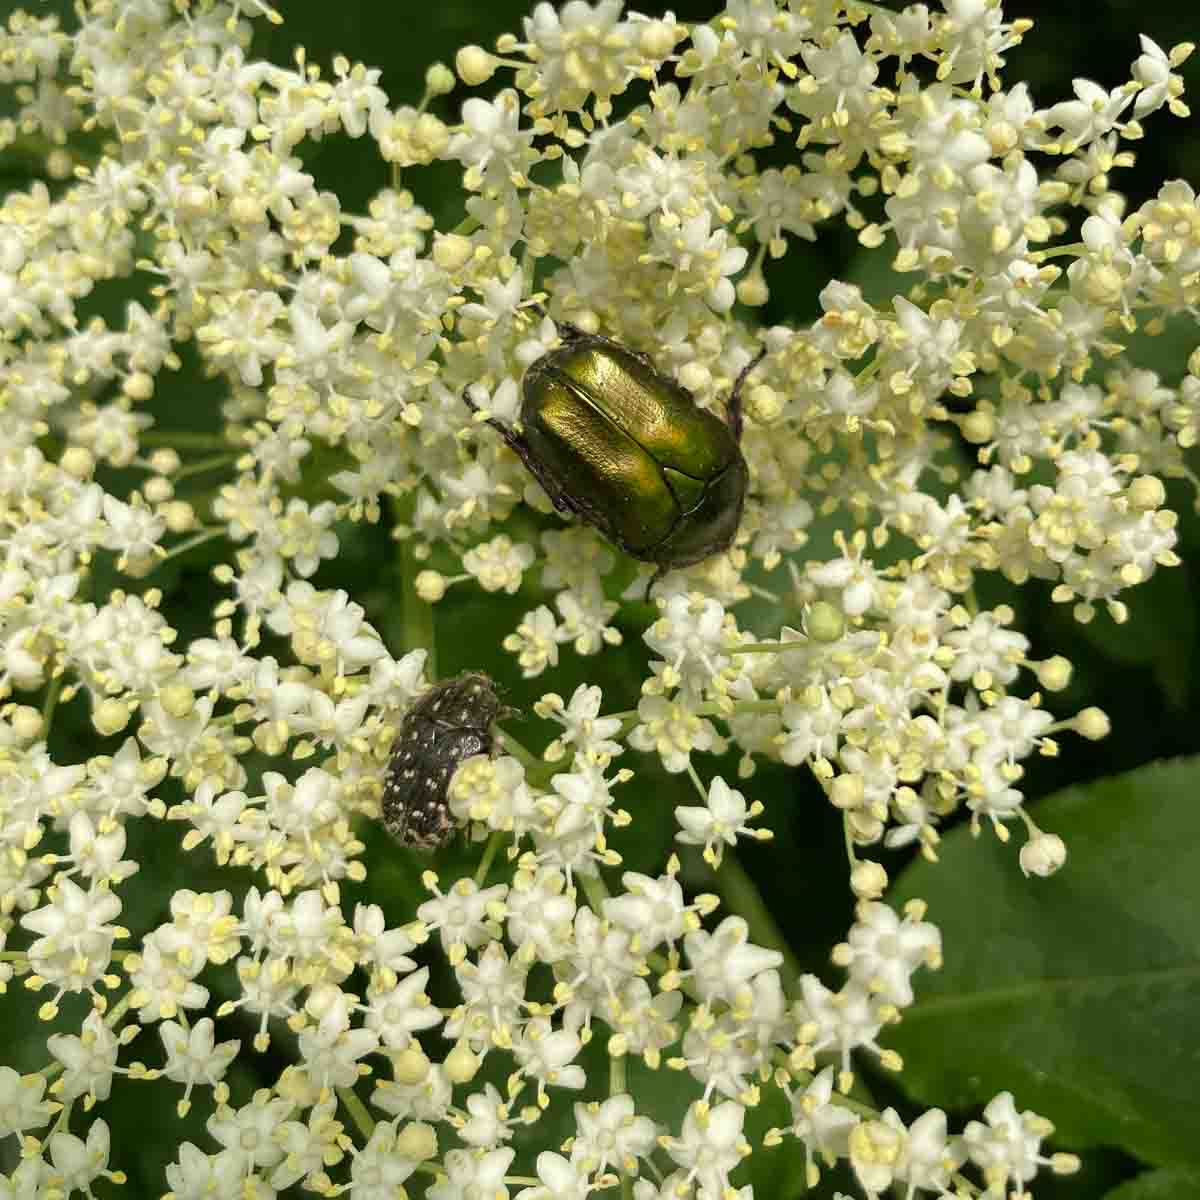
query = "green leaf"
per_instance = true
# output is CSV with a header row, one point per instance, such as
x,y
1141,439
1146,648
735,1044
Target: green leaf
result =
x,y
1078,993
1158,1185
1160,633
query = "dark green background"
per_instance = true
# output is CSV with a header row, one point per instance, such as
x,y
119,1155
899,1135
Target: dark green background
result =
x,y
1142,675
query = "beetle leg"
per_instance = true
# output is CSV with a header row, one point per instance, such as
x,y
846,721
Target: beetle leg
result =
x,y
518,445
512,439
733,410
659,571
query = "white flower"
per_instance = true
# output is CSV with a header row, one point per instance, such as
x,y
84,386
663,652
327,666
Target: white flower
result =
x,y
1043,854
583,727
562,1179
535,642
490,138
710,1145
1007,1146
75,935
723,962
652,911
842,1021
380,1167
499,564
89,1059
397,1013
546,1054
610,1134
250,1130
673,732
823,1126
465,916
489,1121
720,822
79,1163
21,1103
473,1173
194,1057
882,951
540,915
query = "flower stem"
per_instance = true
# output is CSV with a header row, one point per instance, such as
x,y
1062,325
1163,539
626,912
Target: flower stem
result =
x,y
416,616
358,1111
489,853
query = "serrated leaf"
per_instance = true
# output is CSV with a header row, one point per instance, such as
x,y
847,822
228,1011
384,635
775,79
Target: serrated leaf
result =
x,y
1078,993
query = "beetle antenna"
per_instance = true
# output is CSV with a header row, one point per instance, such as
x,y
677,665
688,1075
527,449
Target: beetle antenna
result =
x,y
733,411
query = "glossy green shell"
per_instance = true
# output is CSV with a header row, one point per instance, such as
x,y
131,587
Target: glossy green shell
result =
x,y
629,451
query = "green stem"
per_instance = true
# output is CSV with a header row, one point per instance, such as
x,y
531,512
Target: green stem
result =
x,y
618,1085
200,465
191,543
616,1075
489,853
596,891
358,1111
512,747
416,616
192,439
51,702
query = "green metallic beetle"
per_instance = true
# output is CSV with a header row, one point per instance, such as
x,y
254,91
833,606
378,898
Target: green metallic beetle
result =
x,y
627,450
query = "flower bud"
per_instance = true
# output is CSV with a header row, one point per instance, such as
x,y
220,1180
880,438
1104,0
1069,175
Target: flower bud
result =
x,y
847,791
410,1067
868,880
1055,673
752,290
475,65
1092,723
439,80
417,1142
1043,854
452,251
78,462
26,722
1146,493
461,1064
824,622
110,716
177,699
431,586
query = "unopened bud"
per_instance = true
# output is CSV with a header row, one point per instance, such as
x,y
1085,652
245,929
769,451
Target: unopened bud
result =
x,y
417,1142
868,880
1055,673
452,251
1146,493
411,1066
847,791
824,622
439,80
110,716
1043,854
431,586
461,1064
78,462
1092,723
475,65
752,290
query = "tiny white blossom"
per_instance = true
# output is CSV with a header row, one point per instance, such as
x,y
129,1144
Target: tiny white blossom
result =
x,y
719,822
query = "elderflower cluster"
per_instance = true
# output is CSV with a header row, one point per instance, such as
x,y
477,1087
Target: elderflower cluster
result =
x,y
338,347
